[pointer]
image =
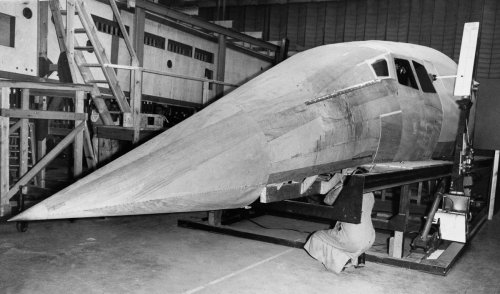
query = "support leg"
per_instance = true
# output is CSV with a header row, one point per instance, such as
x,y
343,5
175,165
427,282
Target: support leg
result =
x,y
404,213
4,153
215,217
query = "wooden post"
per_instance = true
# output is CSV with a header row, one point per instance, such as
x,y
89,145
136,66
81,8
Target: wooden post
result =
x,y
78,143
205,93
493,188
215,217
24,135
88,149
404,210
136,101
43,19
4,153
138,40
221,64
41,143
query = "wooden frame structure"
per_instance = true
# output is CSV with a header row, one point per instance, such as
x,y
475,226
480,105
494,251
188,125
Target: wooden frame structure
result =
x,y
78,136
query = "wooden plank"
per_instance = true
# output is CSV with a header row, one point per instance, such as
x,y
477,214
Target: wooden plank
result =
x,y
42,114
4,153
24,134
404,211
78,142
465,68
70,39
121,133
139,24
125,35
493,188
44,161
221,63
136,101
88,149
41,145
58,24
215,217
13,128
56,87
43,19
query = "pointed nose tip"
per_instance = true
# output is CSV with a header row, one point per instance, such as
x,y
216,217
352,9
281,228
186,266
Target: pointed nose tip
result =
x,y
37,212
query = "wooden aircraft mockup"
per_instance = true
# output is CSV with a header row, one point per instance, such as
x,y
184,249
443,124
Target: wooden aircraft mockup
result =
x,y
320,111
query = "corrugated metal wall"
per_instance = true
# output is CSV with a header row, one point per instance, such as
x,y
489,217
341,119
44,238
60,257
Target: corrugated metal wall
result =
x,y
434,23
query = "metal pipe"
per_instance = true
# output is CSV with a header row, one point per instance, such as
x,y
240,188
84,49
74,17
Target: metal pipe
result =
x,y
430,217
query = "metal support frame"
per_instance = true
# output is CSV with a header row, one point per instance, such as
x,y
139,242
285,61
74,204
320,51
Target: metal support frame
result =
x,y
326,214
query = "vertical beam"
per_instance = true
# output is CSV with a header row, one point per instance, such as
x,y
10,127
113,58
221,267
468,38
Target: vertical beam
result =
x,y
215,217
493,188
139,23
42,140
43,28
78,143
205,93
136,101
88,149
4,153
136,75
404,210
221,64
24,135
70,38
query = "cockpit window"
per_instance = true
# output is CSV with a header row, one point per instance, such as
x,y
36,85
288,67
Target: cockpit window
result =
x,y
380,68
404,73
424,78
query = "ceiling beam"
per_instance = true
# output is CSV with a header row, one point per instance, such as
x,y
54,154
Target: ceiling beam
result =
x,y
200,23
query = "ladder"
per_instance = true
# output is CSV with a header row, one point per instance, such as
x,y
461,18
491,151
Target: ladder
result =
x,y
77,62
15,150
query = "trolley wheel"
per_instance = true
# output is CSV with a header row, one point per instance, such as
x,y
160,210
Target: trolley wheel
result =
x,y
22,227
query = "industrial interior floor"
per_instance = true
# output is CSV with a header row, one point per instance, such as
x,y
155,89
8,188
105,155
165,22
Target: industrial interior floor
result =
x,y
151,254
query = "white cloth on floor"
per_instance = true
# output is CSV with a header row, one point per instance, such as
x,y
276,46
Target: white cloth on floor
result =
x,y
335,247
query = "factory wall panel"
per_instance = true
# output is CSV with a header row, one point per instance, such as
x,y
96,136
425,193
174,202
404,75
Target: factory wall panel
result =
x,y
18,34
434,23
199,61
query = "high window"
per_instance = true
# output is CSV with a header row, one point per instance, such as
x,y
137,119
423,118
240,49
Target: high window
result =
x,y
7,30
405,73
180,48
380,68
424,78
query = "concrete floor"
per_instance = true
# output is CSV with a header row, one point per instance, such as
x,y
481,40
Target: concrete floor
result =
x,y
150,254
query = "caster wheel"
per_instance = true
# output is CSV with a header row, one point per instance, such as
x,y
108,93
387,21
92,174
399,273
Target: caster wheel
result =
x,y
22,227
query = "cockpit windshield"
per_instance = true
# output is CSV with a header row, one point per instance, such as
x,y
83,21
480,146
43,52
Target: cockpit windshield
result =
x,y
380,68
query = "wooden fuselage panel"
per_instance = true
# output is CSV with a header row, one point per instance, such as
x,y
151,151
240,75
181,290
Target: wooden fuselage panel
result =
x,y
268,131
384,121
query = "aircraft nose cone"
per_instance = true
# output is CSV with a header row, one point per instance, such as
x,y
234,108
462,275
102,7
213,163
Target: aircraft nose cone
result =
x,y
215,161
38,212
